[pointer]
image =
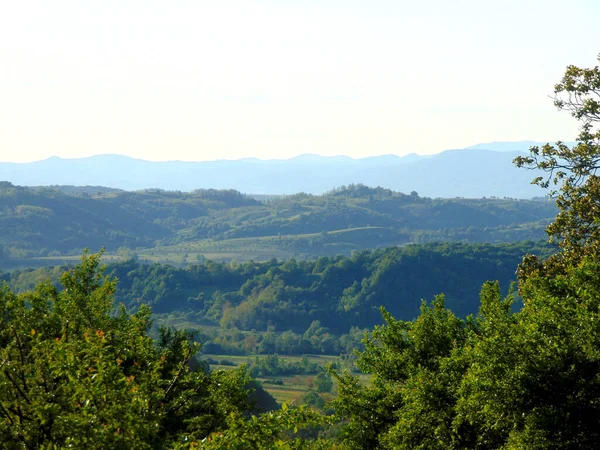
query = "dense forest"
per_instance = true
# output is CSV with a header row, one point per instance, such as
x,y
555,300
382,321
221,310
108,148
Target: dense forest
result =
x,y
62,221
290,305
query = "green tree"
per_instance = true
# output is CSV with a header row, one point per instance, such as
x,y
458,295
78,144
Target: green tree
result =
x,y
532,381
572,171
323,382
532,378
416,369
75,374
277,430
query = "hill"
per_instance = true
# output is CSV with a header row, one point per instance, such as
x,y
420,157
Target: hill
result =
x,y
60,222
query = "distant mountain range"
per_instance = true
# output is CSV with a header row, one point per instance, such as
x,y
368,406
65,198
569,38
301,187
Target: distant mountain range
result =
x,y
476,171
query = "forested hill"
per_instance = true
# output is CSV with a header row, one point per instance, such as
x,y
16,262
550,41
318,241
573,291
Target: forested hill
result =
x,y
64,220
340,292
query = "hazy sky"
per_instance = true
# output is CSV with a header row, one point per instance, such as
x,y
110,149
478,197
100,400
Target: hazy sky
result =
x,y
203,80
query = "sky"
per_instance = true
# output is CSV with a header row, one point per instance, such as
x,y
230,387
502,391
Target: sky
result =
x,y
199,80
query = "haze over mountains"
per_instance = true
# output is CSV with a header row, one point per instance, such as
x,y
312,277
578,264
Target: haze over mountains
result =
x,y
481,170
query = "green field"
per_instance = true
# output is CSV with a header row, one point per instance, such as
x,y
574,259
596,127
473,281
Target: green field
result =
x,y
261,248
291,391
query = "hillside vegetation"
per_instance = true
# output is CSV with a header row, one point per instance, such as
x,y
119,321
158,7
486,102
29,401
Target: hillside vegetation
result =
x,y
292,306
58,222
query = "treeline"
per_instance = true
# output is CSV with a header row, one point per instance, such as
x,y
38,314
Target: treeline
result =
x,y
78,374
357,206
315,340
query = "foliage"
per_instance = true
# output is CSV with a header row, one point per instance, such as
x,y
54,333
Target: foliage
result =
x,y
43,221
75,375
305,307
323,382
272,431
533,376
500,380
410,402
572,171
326,288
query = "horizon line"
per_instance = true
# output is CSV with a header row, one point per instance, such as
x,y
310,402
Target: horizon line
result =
x,y
255,158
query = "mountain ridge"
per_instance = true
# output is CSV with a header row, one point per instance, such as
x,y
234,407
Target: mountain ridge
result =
x,y
472,172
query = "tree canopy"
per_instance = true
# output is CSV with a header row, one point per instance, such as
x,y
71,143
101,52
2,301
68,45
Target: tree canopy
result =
x,y
75,374
572,172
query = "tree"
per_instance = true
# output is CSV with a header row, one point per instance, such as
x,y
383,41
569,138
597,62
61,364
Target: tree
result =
x,y
75,374
572,171
532,376
276,430
415,373
323,382
501,380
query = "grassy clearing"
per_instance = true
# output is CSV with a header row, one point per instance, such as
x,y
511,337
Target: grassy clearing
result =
x,y
292,390
259,248
192,254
